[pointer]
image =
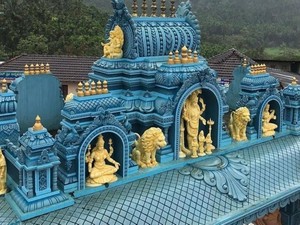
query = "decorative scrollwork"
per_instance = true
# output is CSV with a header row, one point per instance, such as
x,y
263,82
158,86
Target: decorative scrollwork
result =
x,y
229,174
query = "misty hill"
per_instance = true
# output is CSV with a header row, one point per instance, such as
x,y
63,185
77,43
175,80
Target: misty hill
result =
x,y
250,26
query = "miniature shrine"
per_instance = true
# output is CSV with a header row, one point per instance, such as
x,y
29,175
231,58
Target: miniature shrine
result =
x,y
152,105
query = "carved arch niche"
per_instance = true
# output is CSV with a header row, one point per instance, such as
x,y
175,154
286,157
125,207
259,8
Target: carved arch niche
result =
x,y
120,153
207,96
267,108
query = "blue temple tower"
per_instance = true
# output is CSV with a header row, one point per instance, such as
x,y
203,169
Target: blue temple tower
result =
x,y
147,87
34,181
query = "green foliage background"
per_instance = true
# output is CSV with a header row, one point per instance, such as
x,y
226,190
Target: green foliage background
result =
x,y
261,29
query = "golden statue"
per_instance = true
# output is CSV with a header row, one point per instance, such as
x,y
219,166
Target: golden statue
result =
x,y
146,146
201,139
238,123
192,116
2,173
209,146
113,49
268,129
99,172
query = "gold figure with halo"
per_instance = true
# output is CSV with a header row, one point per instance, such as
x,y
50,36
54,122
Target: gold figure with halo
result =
x,y
191,115
100,172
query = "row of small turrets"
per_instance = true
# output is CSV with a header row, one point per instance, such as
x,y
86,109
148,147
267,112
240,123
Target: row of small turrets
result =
x,y
36,69
187,56
92,88
153,6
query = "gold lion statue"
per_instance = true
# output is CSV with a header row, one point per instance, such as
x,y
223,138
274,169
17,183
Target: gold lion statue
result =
x,y
146,146
238,123
113,49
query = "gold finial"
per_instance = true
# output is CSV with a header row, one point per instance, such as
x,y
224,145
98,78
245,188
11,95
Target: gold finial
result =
x,y
258,69
37,69
134,8
105,89
26,69
190,56
4,86
195,59
184,55
177,59
42,68
47,69
93,88
86,89
244,62
163,8
153,7
79,90
294,81
144,8
171,59
99,88
31,69
38,125
172,8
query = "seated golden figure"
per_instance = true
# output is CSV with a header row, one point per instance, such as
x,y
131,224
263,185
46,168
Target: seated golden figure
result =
x,y
99,172
113,49
268,129
2,173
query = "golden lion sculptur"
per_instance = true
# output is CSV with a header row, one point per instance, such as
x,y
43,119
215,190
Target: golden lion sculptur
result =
x,y
146,146
238,123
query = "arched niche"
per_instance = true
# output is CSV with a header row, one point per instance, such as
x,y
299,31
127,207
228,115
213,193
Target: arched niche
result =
x,y
119,143
275,104
214,111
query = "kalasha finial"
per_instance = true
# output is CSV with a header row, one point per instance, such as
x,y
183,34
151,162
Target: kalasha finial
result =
x,y
153,7
171,58
80,92
134,8
184,55
172,8
294,81
4,86
244,62
163,8
99,87
38,125
144,8
26,69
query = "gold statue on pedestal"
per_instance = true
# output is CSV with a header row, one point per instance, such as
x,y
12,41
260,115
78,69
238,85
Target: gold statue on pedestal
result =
x,y
2,173
209,146
113,49
268,129
191,115
238,123
146,146
201,139
99,172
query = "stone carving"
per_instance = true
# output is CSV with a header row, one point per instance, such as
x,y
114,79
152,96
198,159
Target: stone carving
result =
x,y
229,174
146,146
113,49
99,172
268,128
238,123
191,115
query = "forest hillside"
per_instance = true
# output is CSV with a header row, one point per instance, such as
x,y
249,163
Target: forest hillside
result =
x,y
260,29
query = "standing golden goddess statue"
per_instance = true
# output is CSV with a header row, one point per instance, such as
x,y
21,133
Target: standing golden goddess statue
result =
x,y
2,173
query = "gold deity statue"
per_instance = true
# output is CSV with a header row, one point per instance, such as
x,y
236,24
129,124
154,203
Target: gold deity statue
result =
x,y
2,173
113,49
268,128
238,123
192,116
100,172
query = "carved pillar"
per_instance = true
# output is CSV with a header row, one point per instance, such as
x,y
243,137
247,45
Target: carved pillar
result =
x,y
29,184
54,179
166,131
270,219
